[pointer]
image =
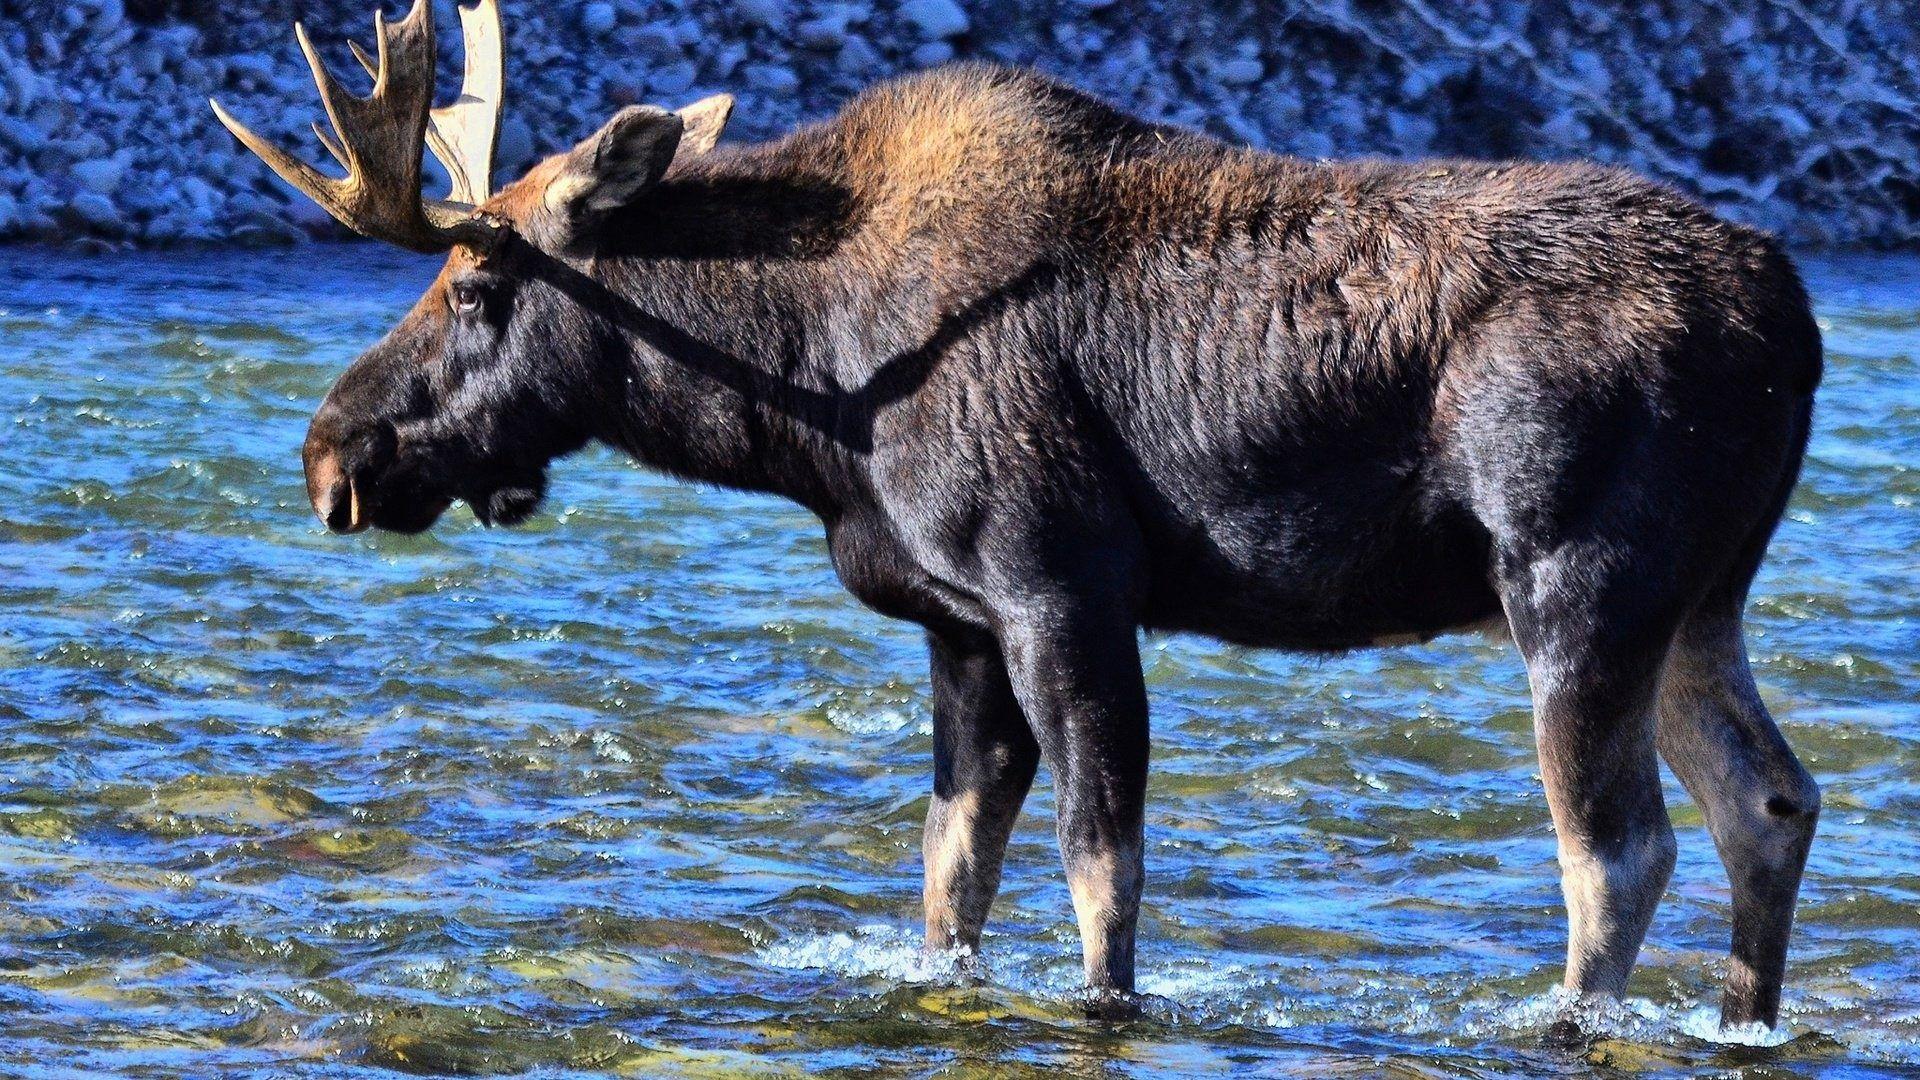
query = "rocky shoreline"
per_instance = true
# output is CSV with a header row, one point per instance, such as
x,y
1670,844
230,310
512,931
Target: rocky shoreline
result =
x,y
1795,115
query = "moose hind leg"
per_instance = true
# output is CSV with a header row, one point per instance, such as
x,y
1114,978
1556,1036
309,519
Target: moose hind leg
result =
x,y
1759,803
1594,670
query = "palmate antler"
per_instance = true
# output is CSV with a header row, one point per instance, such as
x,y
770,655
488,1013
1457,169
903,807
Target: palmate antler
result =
x,y
380,137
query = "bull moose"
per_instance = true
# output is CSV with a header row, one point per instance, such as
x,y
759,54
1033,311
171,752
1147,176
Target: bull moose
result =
x,y
1049,374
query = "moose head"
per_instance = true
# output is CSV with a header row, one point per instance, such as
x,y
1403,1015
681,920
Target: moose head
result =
x,y
497,369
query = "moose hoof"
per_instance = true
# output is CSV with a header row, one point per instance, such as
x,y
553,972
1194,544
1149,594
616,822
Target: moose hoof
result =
x,y
1108,1005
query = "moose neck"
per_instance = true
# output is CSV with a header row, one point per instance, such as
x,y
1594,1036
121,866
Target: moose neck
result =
x,y
723,284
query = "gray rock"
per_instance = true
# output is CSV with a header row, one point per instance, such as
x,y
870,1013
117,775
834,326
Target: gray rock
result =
x,y
1566,128
22,135
109,17
726,61
1275,110
1240,72
690,33
598,18
768,14
772,78
658,43
86,144
932,54
515,149
103,174
80,83
175,42
935,19
250,70
1313,145
1411,133
197,194
24,87
672,78
147,60
306,215
96,211
858,58
826,33
162,231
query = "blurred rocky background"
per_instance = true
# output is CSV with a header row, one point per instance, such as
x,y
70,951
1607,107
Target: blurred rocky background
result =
x,y
1802,116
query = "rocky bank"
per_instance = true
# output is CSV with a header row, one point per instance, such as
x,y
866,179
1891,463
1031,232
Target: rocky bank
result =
x,y
1802,116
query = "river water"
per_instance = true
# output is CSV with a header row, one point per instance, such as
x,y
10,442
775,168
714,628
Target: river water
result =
x,y
637,788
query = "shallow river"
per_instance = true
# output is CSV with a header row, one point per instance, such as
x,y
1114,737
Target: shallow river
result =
x,y
638,789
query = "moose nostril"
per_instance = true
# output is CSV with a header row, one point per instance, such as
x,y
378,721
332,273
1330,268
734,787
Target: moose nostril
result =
x,y
334,494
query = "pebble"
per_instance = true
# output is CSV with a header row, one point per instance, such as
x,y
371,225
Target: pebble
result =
x,y
96,210
103,174
858,58
935,18
108,16
658,43
932,54
250,70
88,93
772,78
598,18
769,14
826,33
22,135
673,78
1239,72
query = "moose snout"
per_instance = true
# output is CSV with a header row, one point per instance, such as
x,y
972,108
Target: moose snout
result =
x,y
335,496
338,466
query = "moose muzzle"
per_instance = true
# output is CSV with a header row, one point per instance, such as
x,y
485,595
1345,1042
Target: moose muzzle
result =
x,y
340,470
333,492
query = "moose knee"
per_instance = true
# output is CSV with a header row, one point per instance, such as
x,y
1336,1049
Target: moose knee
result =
x,y
1780,827
1795,802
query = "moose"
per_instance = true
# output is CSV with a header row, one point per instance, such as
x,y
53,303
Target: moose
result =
x,y
1050,375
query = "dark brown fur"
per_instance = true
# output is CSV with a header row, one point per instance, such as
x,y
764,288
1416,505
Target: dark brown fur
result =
x,y
1049,374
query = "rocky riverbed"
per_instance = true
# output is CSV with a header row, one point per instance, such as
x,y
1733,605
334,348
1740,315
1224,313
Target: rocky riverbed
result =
x,y
1802,116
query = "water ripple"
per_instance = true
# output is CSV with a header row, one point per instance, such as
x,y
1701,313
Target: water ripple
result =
x,y
639,789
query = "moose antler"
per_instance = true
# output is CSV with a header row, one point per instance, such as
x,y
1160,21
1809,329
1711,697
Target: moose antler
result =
x,y
380,136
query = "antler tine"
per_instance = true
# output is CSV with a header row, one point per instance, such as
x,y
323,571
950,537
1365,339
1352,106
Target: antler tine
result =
x,y
322,189
333,148
360,54
331,92
378,139
463,134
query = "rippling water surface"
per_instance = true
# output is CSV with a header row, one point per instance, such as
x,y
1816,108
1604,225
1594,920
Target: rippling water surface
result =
x,y
638,789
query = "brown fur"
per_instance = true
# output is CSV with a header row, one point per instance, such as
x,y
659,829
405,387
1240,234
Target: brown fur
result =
x,y
1049,374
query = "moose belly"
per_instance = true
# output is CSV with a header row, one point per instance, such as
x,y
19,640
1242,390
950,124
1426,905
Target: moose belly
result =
x,y
1319,576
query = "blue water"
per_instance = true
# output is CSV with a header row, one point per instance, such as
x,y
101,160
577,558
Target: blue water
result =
x,y
638,789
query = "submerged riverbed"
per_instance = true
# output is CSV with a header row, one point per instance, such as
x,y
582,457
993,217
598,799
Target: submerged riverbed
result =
x,y
637,788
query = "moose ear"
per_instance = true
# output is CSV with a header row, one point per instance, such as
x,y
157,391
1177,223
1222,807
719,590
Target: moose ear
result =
x,y
705,120
615,164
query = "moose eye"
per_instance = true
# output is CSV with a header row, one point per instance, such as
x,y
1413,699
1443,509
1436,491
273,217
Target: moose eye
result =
x,y
465,298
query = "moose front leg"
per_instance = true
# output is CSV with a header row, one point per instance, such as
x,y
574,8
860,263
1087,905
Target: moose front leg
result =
x,y
984,756
1077,674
